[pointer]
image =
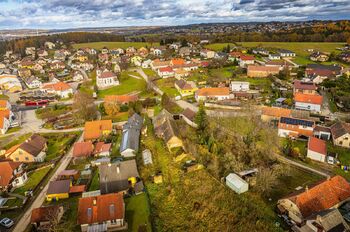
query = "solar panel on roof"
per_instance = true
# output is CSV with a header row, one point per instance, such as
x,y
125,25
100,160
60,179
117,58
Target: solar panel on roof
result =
x,y
295,121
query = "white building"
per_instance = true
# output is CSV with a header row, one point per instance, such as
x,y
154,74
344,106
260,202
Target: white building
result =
x,y
166,72
308,102
106,79
317,149
33,82
4,125
60,89
236,183
212,94
274,56
146,63
157,52
239,86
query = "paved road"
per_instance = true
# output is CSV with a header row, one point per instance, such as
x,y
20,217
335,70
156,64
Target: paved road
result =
x,y
22,224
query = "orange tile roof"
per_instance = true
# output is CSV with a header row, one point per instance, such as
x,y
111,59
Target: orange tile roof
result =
x,y
77,189
247,57
308,98
120,98
5,113
276,111
82,149
6,171
323,196
213,91
59,86
317,145
3,103
107,207
177,61
93,129
263,68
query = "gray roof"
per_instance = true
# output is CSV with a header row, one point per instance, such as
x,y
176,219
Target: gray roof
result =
x,y
114,177
164,126
58,186
131,133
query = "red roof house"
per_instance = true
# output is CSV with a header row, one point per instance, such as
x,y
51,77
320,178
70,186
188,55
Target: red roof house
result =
x,y
83,149
317,149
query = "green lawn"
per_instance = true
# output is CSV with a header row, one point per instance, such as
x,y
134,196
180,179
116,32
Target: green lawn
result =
x,y
127,85
150,73
33,180
218,46
16,141
343,153
13,129
112,45
167,85
225,72
138,213
119,117
59,143
95,182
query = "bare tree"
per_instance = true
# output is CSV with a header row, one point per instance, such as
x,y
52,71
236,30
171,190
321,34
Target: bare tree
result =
x,y
84,106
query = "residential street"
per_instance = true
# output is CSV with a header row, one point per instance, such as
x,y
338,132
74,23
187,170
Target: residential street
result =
x,y
24,221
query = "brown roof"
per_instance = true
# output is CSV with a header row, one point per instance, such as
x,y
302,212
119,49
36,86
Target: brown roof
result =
x,y
263,68
59,86
34,145
182,84
190,114
108,74
213,91
93,129
304,85
339,129
82,149
70,172
102,147
77,189
317,145
44,213
101,208
121,99
6,172
58,186
323,196
276,111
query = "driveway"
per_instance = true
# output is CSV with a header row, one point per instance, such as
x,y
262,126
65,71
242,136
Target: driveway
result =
x,y
24,221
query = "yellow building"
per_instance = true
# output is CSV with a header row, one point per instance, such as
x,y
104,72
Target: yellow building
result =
x,y
58,190
186,88
136,60
82,58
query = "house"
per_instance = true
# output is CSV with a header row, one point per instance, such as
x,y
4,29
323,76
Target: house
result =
x,y
304,87
185,88
42,53
330,220
45,217
136,60
78,76
12,175
31,150
157,64
58,189
146,63
177,62
341,134
5,105
189,116
215,94
61,89
82,150
117,177
239,86
24,73
322,132
129,145
273,114
95,130
293,127
319,57
286,53
308,102
262,71
345,57
102,149
143,51
166,72
274,56
33,82
147,157
157,52
180,73
236,183
184,51
106,79
261,51
327,194
165,128
10,83
317,149
4,124
30,51
327,71
103,57
119,99
281,64
245,60
49,45
102,213
207,54
57,65
70,174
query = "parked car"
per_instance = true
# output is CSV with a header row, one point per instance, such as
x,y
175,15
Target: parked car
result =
x,y
6,222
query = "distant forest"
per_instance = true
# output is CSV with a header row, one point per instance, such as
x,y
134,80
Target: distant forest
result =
x,y
321,32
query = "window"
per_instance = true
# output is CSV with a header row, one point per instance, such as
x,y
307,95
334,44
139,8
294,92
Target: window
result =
x,y
27,158
17,159
346,138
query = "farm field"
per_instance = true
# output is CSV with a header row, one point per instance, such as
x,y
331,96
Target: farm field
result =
x,y
112,45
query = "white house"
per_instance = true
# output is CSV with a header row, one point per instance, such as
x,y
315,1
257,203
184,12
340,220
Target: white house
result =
x,y
78,76
146,63
308,102
317,149
49,45
213,94
286,53
274,56
208,54
106,79
4,125
13,175
236,183
61,89
157,52
166,72
239,86
245,60
33,82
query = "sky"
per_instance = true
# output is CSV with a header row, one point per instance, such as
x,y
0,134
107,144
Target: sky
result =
x,y
60,14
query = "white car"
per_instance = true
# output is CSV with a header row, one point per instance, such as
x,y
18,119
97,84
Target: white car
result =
x,y
6,222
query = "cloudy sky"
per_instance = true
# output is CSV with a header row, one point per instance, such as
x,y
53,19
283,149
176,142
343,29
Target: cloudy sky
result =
x,y
97,13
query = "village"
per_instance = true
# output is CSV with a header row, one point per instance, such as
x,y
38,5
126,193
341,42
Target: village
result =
x,y
101,137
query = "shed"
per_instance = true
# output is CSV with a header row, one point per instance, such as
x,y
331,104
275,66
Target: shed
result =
x,y
147,157
236,183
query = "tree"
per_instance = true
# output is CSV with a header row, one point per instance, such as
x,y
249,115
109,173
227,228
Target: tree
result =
x,y
266,179
201,118
112,108
84,107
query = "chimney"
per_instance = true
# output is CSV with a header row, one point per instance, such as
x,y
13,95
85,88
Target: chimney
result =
x,y
118,169
94,202
306,188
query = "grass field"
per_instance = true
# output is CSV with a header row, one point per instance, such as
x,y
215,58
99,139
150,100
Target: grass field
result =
x,y
33,180
167,86
59,143
138,213
127,85
95,182
112,45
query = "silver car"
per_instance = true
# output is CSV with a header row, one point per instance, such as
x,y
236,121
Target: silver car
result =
x,y
6,222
